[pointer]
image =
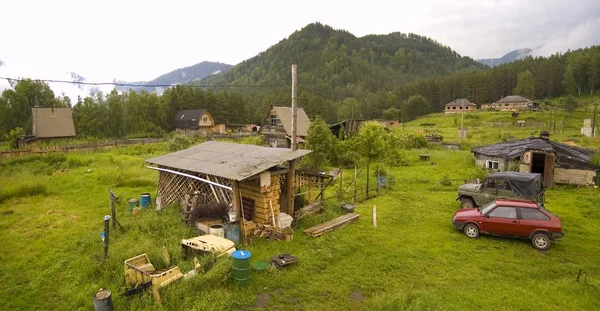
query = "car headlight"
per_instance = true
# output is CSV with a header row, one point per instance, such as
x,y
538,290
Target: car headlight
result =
x,y
453,218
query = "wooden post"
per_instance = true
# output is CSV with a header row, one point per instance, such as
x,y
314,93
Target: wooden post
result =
x,y
355,184
594,122
341,194
294,98
374,216
237,198
367,194
113,207
106,228
290,180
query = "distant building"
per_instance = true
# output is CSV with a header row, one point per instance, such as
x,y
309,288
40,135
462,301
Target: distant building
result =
x,y
457,106
277,127
195,120
511,103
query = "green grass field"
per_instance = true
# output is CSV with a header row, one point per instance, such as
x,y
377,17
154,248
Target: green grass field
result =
x,y
51,210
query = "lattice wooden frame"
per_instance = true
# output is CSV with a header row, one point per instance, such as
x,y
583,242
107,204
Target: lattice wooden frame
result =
x,y
172,188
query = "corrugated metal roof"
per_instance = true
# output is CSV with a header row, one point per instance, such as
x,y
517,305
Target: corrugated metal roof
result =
x,y
227,160
52,122
513,99
302,121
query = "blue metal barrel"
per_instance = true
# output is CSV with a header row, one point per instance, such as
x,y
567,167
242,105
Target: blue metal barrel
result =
x,y
145,200
232,233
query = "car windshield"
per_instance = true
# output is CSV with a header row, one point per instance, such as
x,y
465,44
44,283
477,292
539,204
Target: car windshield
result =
x,y
488,207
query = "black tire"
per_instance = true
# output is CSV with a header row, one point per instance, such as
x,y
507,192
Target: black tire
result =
x,y
471,230
541,241
467,203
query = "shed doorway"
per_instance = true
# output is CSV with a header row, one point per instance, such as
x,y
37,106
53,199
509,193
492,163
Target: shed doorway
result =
x,y
544,164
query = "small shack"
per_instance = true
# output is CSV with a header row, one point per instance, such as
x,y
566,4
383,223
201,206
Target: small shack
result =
x,y
460,105
557,162
248,178
195,120
277,128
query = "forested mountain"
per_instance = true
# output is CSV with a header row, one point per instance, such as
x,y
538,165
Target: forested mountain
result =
x,y
507,58
178,76
334,65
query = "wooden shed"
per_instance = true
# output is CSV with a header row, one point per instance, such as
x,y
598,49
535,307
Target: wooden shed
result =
x,y
557,162
248,178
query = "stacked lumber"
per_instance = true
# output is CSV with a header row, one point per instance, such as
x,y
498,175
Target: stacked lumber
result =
x,y
331,225
308,210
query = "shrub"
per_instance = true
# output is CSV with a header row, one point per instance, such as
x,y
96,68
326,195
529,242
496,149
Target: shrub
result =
x,y
179,142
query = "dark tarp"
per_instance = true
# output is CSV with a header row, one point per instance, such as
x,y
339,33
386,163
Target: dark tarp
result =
x,y
523,184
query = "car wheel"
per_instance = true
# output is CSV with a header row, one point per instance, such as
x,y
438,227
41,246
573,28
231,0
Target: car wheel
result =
x,y
541,241
471,230
467,203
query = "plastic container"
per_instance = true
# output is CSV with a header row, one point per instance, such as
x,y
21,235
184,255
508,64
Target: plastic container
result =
x,y
217,230
133,203
232,216
146,200
240,266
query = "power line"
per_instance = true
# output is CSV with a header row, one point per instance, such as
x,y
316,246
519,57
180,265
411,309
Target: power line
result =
x,y
146,85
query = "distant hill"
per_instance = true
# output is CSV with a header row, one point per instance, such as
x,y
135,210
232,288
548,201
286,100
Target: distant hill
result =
x,y
338,58
510,57
178,76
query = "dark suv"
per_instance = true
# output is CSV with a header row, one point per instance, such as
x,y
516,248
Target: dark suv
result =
x,y
510,218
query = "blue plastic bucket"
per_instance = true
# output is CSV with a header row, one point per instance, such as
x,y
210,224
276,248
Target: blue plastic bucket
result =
x,y
145,200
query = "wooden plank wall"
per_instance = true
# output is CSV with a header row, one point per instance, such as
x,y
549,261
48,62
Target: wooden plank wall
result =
x,y
251,190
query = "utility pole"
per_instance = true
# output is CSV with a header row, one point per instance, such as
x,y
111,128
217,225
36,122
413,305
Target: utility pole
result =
x,y
292,163
461,133
294,108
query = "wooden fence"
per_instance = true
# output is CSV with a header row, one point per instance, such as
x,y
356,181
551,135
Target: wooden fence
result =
x,y
9,154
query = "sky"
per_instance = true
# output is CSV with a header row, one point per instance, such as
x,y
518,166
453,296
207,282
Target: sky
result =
x,y
140,40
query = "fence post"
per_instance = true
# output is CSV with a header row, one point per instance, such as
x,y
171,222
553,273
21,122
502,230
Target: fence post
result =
x,y
355,183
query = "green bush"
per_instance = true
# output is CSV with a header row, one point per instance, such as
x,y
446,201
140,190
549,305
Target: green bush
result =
x,y
179,142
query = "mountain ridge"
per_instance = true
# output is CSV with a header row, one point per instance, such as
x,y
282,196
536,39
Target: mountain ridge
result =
x,y
506,58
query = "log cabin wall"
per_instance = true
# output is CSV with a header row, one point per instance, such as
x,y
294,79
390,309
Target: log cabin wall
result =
x,y
252,191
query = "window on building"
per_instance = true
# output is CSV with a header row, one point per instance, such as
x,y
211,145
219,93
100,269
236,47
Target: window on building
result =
x,y
273,120
491,164
205,119
454,107
467,107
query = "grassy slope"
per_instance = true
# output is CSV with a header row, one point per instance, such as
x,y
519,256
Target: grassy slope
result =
x,y
51,252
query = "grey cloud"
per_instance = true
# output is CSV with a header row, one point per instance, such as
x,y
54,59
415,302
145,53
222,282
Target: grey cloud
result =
x,y
486,29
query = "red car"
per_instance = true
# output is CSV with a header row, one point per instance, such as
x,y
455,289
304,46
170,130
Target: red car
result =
x,y
510,218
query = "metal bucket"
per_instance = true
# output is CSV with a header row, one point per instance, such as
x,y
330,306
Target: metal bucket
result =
x,y
146,200
217,230
103,300
232,233
240,266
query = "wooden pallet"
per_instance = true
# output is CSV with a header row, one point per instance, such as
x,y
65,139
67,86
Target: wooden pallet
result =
x,y
331,225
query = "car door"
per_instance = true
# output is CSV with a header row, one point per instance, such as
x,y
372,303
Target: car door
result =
x,y
532,219
501,220
488,192
505,189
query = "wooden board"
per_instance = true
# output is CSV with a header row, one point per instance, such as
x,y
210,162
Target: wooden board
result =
x,y
332,224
